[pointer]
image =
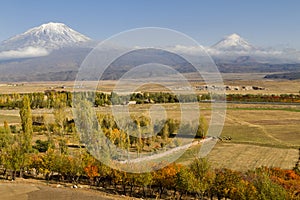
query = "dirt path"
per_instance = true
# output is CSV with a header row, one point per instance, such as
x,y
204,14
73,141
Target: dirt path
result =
x,y
30,189
12,191
166,153
49,193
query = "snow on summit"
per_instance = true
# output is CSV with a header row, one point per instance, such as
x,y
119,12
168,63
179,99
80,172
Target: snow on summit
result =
x,y
40,41
48,36
233,42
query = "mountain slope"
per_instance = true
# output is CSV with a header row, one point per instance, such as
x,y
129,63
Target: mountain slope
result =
x,y
41,40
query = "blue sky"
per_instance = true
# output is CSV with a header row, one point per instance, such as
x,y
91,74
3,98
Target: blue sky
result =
x,y
263,23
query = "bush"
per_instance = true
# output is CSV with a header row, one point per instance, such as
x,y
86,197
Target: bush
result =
x,y
41,146
13,128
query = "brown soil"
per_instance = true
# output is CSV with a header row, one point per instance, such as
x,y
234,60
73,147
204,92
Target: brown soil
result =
x,y
29,189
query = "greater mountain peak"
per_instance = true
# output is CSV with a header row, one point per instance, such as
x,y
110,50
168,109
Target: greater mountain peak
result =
x,y
233,42
58,28
51,26
47,36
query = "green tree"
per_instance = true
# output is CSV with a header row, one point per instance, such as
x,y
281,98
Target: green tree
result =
x,y
88,127
14,159
6,140
186,181
244,190
26,121
165,131
59,128
203,175
14,156
144,180
202,128
41,146
72,167
23,142
51,162
225,182
267,189
5,136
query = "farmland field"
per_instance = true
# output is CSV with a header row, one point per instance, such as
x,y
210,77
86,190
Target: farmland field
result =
x,y
244,157
261,134
231,79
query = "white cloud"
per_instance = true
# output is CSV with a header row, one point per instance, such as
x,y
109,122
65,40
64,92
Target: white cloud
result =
x,y
261,55
26,52
192,50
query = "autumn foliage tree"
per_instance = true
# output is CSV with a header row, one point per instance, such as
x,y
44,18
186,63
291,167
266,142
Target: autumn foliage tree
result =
x,y
91,171
225,182
165,178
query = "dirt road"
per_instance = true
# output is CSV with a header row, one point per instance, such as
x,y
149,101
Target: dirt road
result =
x,y
40,191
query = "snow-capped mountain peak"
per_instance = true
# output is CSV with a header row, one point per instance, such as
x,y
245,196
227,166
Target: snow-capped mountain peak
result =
x,y
41,40
233,42
48,36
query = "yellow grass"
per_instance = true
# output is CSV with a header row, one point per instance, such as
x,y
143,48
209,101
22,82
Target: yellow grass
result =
x,y
243,157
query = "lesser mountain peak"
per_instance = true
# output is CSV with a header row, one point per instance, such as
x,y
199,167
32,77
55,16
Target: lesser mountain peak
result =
x,y
233,42
234,36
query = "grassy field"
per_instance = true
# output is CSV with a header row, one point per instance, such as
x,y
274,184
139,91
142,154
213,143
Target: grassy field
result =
x,y
268,127
244,156
11,116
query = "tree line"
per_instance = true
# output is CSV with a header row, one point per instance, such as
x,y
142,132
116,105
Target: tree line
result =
x,y
198,180
53,99
282,98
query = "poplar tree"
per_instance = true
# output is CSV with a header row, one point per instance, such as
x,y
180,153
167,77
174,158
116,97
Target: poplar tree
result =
x,y
26,121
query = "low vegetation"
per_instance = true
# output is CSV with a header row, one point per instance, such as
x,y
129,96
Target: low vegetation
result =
x,y
289,76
